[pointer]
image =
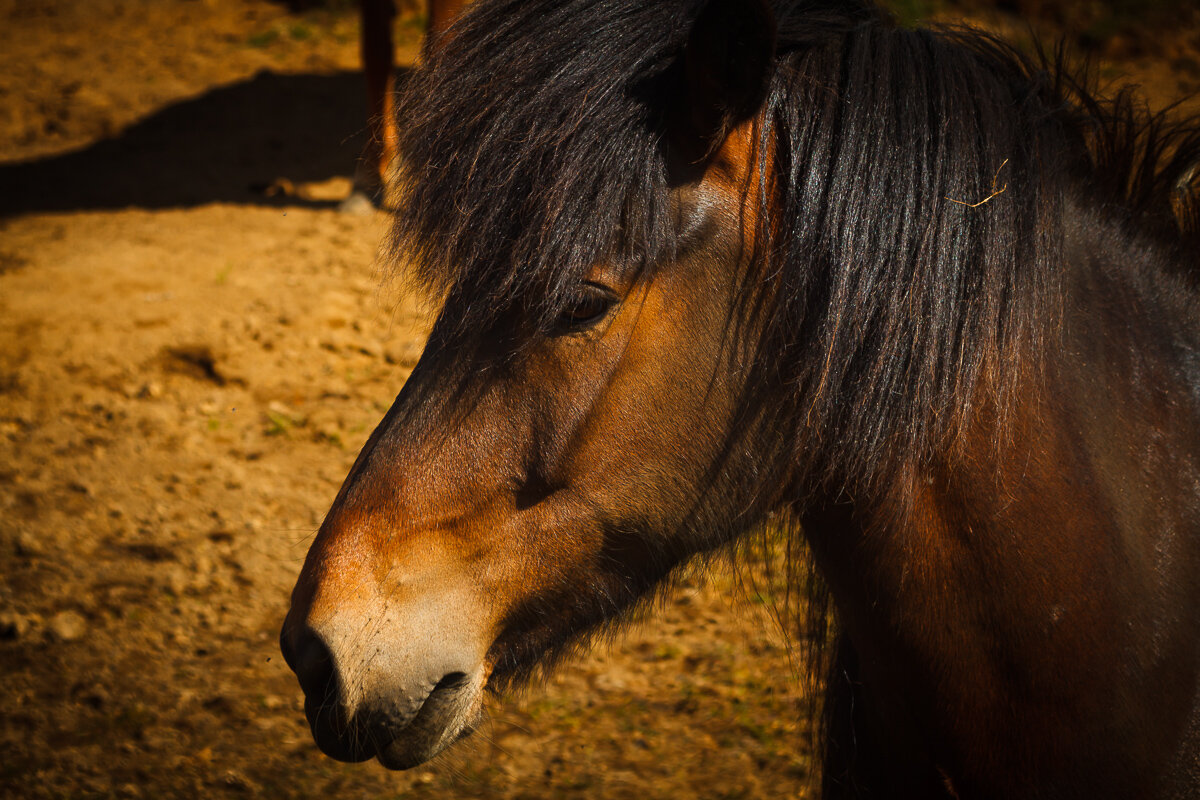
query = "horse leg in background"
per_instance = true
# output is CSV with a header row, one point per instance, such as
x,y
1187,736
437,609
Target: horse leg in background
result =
x,y
378,58
856,763
379,66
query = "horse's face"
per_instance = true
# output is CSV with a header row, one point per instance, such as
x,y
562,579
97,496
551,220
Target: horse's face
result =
x,y
553,503
459,554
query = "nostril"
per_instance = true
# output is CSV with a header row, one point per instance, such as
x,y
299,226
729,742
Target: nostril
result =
x,y
309,657
331,720
285,644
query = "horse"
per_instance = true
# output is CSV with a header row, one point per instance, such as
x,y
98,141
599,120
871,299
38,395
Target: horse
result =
x,y
379,68
922,304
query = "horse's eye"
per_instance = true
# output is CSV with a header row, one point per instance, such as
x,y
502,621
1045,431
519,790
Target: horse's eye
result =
x,y
589,304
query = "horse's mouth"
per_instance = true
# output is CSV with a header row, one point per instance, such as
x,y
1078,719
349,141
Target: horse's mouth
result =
x,y
399,739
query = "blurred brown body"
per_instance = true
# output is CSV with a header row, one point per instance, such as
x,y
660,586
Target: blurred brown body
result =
x,y
379,66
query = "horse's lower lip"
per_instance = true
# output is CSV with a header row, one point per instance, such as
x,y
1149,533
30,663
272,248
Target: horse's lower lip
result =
x,y
393,755
402,753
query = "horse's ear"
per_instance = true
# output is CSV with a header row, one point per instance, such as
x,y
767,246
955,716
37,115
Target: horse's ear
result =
x,y
727,66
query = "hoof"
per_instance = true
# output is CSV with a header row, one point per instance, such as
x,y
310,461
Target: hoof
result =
x,y
358,203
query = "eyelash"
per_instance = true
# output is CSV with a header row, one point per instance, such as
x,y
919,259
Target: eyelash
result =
x,y
590,304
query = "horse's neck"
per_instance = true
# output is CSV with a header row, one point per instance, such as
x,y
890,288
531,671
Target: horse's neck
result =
x,y
1121,366
1013,564
1131,318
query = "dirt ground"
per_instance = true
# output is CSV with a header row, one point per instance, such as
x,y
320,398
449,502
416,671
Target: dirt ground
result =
x,y
194,344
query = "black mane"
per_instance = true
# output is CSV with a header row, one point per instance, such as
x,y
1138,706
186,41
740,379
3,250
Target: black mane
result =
x,y
923,176
527,144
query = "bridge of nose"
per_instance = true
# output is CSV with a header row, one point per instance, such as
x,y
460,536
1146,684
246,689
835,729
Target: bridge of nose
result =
x,y
423,465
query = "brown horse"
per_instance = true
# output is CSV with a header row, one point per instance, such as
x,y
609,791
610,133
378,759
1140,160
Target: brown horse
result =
x,y
705,260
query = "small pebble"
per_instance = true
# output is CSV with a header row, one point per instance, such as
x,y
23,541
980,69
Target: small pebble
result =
x,y
27,545
67,626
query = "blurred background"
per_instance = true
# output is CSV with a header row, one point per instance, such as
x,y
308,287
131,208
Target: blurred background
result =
x,y
194,344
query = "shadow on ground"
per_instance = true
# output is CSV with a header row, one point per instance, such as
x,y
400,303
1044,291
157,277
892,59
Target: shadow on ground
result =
x,y
229,145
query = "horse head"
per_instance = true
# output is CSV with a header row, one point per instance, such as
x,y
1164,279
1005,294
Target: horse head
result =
x,y
539,475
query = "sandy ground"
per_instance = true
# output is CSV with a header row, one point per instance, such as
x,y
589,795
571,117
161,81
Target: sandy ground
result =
x,y
194,344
